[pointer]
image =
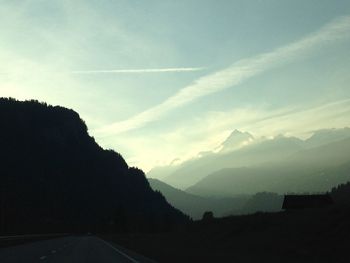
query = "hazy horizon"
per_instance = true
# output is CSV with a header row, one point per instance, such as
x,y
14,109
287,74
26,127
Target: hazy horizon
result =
x,y
161,80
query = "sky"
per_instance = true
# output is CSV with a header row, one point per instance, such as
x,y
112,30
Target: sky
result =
x,y
165,80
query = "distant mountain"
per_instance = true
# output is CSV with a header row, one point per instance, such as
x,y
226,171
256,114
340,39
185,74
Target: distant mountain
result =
x,y
236,140
241,149
327,155
261,202
161,172
312,170
194,205
54,177
322,137
192,171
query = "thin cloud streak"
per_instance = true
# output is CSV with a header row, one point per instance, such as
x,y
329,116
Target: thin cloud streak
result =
x,y
112,71
240,71
122,71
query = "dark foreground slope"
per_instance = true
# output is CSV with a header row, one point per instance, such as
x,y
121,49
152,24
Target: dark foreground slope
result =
x,y
306,236
55,177
310,235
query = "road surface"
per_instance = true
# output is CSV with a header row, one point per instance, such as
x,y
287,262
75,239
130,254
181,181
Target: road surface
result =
x,y
72,249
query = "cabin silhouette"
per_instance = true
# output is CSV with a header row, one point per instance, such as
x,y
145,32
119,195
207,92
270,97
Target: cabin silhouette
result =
x,y
293,202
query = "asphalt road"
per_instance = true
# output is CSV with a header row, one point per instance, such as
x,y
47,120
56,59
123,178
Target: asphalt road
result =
x,y
72,249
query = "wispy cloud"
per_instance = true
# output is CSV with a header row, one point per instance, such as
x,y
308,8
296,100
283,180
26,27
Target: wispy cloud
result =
x,y
210,130
127,71
235,74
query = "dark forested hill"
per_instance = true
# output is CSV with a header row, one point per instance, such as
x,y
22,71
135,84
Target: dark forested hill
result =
x,y
55,177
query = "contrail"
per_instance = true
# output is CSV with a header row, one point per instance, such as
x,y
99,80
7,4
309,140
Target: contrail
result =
x,y
127,71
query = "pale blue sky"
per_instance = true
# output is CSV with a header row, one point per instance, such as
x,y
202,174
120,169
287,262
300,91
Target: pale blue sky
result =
x,y
216,66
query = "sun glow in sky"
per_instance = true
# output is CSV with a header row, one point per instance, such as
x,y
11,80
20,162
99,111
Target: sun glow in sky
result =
x,y
160,80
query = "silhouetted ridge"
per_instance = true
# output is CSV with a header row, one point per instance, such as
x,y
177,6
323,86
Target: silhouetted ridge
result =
x,y
55,177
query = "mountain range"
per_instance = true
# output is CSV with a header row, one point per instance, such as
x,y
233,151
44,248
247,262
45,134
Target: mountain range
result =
x,y
281,164
312,170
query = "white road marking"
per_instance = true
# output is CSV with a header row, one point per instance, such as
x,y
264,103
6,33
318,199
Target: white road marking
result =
x,y
122,253
43,257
